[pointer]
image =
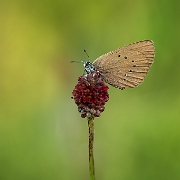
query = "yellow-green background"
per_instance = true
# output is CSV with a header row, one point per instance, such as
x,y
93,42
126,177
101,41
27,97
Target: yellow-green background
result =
x,y
42,136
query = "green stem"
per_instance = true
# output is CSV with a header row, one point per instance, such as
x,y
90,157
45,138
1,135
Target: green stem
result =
x,y
91,142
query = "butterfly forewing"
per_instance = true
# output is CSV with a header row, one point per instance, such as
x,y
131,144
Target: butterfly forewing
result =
x,y
127,66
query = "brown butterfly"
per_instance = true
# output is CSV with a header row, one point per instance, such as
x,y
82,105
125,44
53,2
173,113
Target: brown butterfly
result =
x,y
125,67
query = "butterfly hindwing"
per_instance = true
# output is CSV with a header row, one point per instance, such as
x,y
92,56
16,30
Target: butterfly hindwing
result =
x,y
126,66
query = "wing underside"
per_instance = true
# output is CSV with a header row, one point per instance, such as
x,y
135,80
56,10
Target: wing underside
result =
x,y
127,66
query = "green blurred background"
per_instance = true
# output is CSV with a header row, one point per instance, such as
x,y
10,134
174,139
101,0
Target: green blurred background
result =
x,y
41,133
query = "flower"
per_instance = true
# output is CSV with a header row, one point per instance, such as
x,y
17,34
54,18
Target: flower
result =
x,y
90,94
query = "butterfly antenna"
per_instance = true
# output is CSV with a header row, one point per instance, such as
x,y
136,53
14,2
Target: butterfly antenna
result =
x,y
76,62
86,53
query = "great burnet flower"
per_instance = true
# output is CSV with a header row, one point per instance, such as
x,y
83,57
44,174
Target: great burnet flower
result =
x,y
90,94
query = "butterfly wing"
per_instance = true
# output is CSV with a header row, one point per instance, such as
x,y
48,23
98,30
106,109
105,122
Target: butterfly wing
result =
x,y
126,67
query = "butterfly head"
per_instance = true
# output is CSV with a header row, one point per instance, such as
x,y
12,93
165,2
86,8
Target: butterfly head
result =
x,y
88,67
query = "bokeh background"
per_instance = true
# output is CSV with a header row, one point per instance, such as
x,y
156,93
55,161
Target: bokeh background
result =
x,y
42,135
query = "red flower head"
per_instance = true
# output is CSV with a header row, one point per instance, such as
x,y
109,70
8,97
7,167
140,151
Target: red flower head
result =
x,y
90,95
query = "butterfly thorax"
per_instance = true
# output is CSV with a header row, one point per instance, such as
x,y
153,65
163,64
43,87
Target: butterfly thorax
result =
x,y
89,68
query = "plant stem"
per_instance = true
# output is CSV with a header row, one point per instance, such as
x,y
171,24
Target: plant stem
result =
x,y
91,142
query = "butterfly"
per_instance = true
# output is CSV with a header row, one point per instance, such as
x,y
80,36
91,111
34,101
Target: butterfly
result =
x,y
125,67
